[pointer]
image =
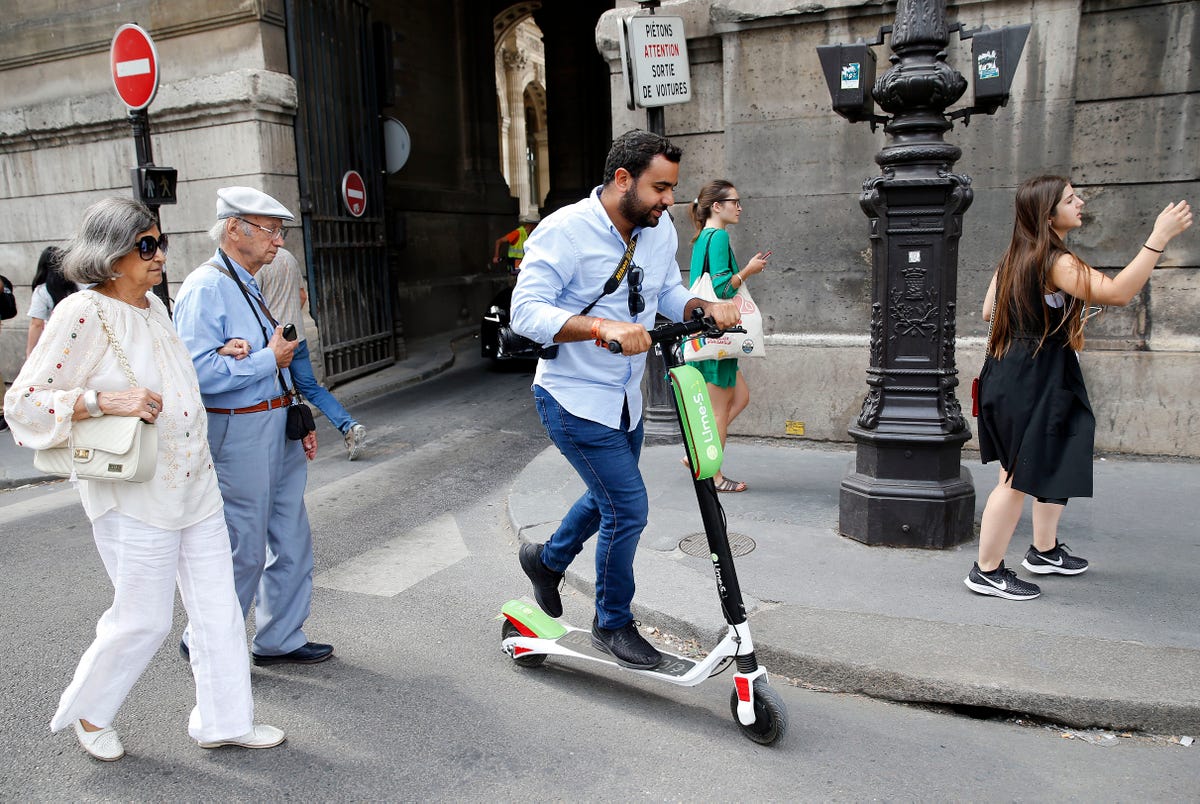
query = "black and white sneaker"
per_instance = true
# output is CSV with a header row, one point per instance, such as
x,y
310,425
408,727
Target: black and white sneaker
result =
x,y
1053,562
1001,582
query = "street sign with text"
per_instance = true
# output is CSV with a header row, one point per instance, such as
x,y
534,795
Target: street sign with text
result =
x,y
657,51
134,62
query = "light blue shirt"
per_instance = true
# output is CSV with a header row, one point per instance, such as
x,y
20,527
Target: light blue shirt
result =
x,y
209,311
568,258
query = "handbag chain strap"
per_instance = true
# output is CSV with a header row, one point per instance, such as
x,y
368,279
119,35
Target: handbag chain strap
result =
x,y
991,323
116,345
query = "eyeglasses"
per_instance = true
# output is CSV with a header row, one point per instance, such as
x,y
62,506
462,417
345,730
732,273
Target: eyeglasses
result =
x,y
735,201
279,232
636,303
148,246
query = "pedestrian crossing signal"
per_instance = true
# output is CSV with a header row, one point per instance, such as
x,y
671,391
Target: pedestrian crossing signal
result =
x,y
154,186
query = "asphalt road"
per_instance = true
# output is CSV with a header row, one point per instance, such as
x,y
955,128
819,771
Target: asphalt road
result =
x,y
414,557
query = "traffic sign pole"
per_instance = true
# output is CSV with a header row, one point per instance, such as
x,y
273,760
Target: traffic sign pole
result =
x,y
133,60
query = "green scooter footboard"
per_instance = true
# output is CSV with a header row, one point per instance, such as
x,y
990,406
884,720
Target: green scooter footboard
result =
x,y
699,426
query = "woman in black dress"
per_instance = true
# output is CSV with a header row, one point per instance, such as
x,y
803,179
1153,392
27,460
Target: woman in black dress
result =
x,y
1034,413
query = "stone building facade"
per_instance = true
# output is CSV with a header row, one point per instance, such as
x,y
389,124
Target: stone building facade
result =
x,y
1107,93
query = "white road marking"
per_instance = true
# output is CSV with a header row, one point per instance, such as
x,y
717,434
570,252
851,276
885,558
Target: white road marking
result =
x,y
402,562
13,512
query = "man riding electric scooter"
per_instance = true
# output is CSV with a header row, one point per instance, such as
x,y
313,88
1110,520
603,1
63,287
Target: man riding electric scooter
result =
x,y
569,298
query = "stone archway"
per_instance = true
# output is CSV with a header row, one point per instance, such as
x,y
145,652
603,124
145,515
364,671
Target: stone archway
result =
x,y
521,104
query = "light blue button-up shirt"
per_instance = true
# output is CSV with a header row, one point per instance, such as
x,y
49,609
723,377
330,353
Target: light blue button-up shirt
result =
x,y
568,258
209,311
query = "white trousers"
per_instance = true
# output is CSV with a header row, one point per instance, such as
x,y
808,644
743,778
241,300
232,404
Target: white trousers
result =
x,y
144,563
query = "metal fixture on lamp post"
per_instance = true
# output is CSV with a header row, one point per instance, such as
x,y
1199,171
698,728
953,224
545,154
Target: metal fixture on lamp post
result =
x,y
908,487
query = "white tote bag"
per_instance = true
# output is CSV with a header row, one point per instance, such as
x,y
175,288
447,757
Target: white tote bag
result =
x,y
731,344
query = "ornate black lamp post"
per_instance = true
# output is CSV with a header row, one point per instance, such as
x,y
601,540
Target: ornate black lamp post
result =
x,y
908,487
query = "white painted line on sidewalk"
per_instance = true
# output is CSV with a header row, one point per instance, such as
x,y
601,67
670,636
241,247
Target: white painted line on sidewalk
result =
x,y
402,562
53,501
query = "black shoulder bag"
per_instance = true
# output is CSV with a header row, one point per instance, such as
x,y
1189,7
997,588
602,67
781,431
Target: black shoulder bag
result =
x,y
510,341
299,418
8,302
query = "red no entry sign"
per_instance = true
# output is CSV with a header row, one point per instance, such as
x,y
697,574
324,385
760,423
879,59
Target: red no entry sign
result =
x,y
134,66
354,193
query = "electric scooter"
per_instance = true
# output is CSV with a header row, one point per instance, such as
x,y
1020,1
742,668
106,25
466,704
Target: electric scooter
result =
x,y
529,635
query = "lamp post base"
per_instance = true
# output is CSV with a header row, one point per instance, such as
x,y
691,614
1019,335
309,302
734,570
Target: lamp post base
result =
x,y
907,492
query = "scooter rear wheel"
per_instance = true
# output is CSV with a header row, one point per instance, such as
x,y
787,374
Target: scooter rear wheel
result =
x,y
770,714
507,629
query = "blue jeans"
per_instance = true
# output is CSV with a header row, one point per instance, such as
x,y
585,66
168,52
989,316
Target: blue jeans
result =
x,y
615,503
306,383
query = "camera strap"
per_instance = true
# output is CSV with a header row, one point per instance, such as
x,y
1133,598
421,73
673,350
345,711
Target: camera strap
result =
x,y
614,281
232,274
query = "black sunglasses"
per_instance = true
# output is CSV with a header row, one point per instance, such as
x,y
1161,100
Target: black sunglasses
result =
x,y
148,246
636,303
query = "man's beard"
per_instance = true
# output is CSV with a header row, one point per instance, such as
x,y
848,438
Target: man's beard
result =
x,y
637,213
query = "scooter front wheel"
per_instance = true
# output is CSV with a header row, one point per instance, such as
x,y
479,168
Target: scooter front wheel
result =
x,y
770,714
507,629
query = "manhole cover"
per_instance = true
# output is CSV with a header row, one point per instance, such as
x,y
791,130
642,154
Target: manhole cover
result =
x,y
697,545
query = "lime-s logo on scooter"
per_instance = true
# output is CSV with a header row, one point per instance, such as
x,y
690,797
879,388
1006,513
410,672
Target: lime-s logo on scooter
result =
x,y
717,571
703,442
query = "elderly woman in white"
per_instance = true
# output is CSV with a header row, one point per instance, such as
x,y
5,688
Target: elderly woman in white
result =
x,y
148,534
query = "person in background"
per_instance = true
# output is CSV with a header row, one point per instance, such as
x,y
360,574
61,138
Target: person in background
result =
x,y
716,207
1035,417
8,309
152,536
49,288
262,473
514,243
282,287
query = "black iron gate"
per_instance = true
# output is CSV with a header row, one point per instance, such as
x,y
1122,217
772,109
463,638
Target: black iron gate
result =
x,y
337,130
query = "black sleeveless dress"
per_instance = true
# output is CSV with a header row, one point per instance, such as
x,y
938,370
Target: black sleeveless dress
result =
x,y
1035,417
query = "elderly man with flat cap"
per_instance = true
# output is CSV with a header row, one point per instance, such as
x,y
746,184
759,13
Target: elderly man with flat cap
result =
x,y
242,360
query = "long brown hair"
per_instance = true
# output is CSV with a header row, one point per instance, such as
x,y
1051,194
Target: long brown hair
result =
x,y
711,193
1023,278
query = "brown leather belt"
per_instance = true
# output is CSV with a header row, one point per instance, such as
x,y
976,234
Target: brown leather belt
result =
x,y
281,401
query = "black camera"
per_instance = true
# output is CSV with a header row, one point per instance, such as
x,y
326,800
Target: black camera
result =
x,y
510,344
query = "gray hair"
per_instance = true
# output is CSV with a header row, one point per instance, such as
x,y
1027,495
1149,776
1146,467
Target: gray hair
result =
x,y
220,231
108,232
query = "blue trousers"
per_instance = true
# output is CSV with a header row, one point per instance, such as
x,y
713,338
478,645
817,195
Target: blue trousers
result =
x,y
615,504
262,477
306,383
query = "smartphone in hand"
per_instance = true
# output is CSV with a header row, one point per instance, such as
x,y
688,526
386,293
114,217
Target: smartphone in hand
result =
x,y
289,332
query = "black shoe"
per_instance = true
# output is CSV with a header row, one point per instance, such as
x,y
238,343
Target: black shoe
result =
x,y
3,424
1053,562
184,652
626,645
1001,582
308,653
545,580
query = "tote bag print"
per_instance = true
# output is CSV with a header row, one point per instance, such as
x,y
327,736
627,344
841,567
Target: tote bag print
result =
x,y
731,344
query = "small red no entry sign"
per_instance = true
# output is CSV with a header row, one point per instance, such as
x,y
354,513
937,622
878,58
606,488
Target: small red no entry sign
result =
x,y
134,66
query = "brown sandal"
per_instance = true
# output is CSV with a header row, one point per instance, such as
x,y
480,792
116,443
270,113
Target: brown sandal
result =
x,y
729,485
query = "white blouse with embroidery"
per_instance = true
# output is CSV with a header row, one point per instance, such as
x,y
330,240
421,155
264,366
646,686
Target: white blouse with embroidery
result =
x,y
74,355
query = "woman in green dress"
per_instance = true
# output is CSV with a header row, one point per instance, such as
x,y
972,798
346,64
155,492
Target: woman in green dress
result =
x,y
716,208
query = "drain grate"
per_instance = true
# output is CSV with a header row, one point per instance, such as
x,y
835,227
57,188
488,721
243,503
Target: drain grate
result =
x,y
697,545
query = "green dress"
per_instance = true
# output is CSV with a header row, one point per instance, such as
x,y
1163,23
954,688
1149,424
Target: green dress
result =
x,y
722,265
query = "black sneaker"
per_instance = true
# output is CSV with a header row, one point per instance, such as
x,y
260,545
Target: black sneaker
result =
x,y
626,645
545,580
1001,582
1054,562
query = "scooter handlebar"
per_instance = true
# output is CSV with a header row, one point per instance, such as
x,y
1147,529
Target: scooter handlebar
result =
x,y
678,332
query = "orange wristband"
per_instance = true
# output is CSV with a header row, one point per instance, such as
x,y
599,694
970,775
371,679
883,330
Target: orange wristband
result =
x,y
596,332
